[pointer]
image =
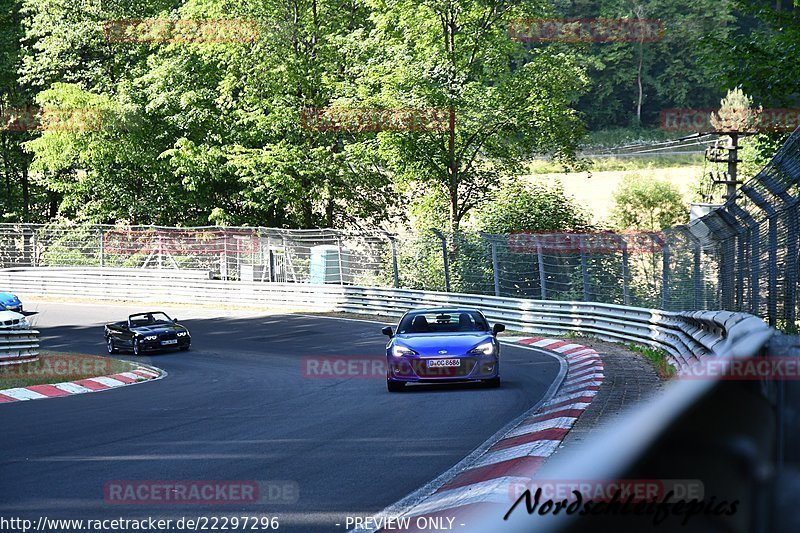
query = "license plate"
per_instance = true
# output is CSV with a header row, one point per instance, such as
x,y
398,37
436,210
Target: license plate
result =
x,y
173,341
438,363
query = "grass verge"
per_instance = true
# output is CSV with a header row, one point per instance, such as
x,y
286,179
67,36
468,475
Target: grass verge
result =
x,y
57,367
657,357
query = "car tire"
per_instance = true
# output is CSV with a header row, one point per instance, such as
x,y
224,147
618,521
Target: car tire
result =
x,y
112,349
136,348
395,386
493,383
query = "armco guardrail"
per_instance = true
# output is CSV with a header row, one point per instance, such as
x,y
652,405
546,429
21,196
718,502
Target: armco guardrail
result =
x,y
685,336
733,436
18,345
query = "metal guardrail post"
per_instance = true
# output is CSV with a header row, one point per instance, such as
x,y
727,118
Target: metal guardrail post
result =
x,y
542,276
584,268
444,258
626,273
492,239
772,273
790,298
735,289
723,228
495,269
772,251
665,273
741,263
665,258
102,248
697,276
33,246
697,272
728,260
755,270
339,256
395,270
753,241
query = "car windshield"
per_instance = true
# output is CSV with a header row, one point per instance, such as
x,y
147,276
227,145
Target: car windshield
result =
x,y
149,319
442,322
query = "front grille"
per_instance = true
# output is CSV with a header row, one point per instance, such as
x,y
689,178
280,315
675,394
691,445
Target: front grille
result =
x,y
12,322
422,370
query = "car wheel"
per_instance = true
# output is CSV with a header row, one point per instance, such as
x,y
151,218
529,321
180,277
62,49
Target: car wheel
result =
x,y
493,383
395,386
110,345
136,348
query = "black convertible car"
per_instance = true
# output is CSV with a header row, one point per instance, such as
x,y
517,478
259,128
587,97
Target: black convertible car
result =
x,y
147,332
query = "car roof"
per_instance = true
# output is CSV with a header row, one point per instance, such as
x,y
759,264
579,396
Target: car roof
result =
x,y
147,313
443,310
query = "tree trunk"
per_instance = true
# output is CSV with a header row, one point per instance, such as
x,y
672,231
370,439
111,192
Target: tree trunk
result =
x,y
639,16
453,172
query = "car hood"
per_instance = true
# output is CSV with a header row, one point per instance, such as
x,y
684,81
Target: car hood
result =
x,y
6,298
433,343
12,320
156,330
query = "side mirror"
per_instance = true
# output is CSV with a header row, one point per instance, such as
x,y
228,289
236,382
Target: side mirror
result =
x,y
388,331
498,328
175,320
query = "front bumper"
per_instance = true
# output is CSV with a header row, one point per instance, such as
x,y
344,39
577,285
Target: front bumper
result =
x,y
158,344
417,369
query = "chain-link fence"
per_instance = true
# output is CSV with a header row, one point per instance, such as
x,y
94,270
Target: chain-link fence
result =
x,y
740,257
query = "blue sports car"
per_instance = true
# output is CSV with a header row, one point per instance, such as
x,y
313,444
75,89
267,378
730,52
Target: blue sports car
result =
x,y
442,345
9,302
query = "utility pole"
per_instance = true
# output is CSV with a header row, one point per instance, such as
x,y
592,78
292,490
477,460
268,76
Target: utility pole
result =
x,y
728,153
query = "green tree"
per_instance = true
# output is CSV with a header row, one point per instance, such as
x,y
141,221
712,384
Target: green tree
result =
x,y
532,208
21,199
504,102
760,53
634,79
204,132
736,113
647,205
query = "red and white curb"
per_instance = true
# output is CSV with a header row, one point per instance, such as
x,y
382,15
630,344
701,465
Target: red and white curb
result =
x,y
141,374
492,477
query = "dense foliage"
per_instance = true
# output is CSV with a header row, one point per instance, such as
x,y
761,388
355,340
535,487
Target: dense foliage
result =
x,y
199,132
647,205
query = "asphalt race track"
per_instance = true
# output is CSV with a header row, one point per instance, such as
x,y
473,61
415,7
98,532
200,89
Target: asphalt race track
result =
x,y
238,407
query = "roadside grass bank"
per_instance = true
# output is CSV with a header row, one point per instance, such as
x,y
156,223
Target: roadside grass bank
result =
x,y
57,367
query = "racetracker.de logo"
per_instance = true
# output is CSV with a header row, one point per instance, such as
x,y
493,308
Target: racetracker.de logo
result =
x,y
58,367
598,30
51,119
635,490
199,492
590,243
739,369
338,366
777,120
138,31
365,119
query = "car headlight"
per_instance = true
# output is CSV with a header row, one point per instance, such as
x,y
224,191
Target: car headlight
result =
x,y
400,351
151,337
183,333
486,348
24,324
